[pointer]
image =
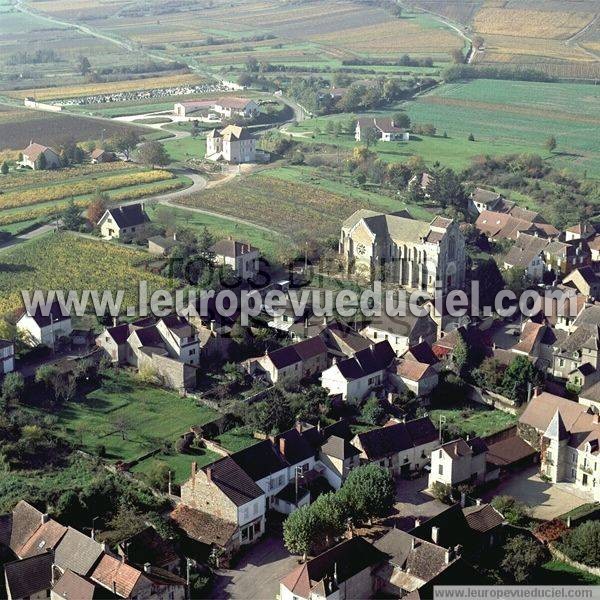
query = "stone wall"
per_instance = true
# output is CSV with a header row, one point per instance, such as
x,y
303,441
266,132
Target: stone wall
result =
x,y
564,558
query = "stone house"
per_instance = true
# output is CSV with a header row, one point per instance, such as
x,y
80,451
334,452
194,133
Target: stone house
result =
x,y
415,254
480,200
290,363
354,378
417,377
585,281
159,245
224,490
527,253
400,447
99,155
32,157
39,329
232,107
124,222
342,572
564,257
29,578
339,456
581,231
233,144
384,127
459,461
241,257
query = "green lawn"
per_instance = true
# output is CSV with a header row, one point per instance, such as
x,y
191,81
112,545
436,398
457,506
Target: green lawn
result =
x,y
473,419
505,117
236,439
153,416
265,241
186,148
559,573
180,464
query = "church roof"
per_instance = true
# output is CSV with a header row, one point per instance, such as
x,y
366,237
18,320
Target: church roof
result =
x,y
556,430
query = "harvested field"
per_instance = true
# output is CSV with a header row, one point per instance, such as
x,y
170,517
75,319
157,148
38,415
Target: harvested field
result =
x,y
19,126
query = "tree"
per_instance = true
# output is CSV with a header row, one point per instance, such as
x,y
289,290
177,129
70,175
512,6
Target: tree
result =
x,y
471,137
458,56
4,168
368,492
84,65
369,136
41,163
331,513
45,375
97,207
583,543
373,412
125,141
460,355
401,119
122,425
550,144
300,531
12,387
522,557
519,377
153,154
514,280
515,512
71,216
441,491
157,475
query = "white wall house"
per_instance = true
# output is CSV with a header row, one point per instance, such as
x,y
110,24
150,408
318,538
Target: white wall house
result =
x,y
39,329
32,157
241,257
124,222
232,144
459,461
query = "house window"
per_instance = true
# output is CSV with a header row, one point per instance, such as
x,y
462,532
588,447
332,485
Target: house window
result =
x,y
441,470
281,480
193,351
245,513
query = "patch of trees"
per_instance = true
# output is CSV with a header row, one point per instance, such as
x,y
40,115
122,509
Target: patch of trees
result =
x,y
404,61
582,544
145,67
37,57
460,72
367,493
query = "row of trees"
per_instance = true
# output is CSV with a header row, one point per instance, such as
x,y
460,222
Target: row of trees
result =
x,y
367,493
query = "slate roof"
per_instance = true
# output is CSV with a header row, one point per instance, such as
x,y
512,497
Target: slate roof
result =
x,y
509,451
29,576
384,124
233,481
295,353
483,518
178,326
556,429
482,196
129,215
401,325
460,447
232,248
337,332
525,250
119,333
162,241
294,446
391,439
203,527
77,552
148,546
368,361
347,559
259,460
55,315
338,447
422,353
73,587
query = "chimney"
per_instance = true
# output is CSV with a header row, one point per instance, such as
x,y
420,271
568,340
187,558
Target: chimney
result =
x,y
537,390
147,568
417,521
435,534
299,426
478,502
457,550
209,473
174,236
105,547
335,574
114,587
282,446
449,556
463,499
45,518
413,542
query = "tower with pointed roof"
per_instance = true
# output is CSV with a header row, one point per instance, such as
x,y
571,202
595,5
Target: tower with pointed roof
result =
x,y
554,449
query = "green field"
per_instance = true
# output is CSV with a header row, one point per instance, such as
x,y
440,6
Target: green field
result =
x,y
180,464
236,439
474,419
186,148
559,573
154,416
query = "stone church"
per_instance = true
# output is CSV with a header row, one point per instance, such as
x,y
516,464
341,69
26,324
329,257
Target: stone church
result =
x,y
415,254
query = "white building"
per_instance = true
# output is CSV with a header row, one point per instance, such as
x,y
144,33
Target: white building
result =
x,y
124,222
32,157
241,257
385,128
459,461
232,144
354,378
45,327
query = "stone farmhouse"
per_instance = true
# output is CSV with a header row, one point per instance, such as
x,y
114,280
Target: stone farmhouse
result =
x,y
527,253
241,257
32,157
99,155
385,128
567,434
415,254
233,144
481,199
170,346
124,222
62,563
508,223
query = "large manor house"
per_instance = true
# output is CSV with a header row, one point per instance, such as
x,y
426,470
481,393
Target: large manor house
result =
x,y
416,254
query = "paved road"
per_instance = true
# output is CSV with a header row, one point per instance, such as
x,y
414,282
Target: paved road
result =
x,y
257,573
